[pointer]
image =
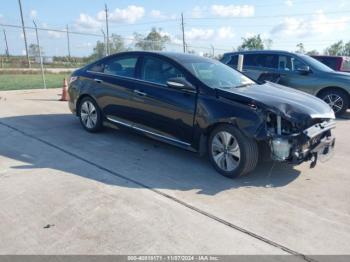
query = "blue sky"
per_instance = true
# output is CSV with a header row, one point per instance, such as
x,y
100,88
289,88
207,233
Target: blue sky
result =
x,y
219,23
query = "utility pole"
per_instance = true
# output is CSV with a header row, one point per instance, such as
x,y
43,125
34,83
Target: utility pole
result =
x,y
24,32
183,33
40,57
68,42
104,41
106,11
213,50
6,45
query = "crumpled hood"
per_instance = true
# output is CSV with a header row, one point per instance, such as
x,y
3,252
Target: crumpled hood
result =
x,y
290,103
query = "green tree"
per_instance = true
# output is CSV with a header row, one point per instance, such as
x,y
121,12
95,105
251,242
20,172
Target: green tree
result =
x,y
312,52
335,49
346,50
252,43
267,43
99,50
34,50
116,45
301,49
153,41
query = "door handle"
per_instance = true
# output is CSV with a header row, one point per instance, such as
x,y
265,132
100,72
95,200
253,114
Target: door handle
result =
x,y
140,93
98,80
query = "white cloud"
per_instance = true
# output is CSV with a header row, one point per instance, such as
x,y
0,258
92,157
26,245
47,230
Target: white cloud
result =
x,y
33,14
225,32
128,15
232,10
318,24
289,3
197,11
252,34
157,14
199,34
55,34
86,22
83,46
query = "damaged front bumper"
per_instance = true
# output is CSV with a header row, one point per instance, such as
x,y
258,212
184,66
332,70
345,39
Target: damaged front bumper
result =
x,y
312,144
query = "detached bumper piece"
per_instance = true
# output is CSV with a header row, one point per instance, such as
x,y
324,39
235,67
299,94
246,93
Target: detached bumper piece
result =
x,y
317,143
323,151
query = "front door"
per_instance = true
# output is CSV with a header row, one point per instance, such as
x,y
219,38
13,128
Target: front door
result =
x,y
290,76
159,108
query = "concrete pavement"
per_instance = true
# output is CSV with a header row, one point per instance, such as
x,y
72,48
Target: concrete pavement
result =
x,y
120,193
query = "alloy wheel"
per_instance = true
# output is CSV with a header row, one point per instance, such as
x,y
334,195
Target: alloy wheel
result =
x,y
88,114
334,101
226,152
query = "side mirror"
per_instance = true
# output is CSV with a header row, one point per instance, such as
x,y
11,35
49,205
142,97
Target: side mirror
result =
x,y
181,83
304,69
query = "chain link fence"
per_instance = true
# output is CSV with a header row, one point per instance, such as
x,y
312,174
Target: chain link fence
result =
x,y
61,50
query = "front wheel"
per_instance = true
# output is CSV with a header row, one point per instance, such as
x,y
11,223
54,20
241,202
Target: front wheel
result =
x,y
336,99
90,115
232,153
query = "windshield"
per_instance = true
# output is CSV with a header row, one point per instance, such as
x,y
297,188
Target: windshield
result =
x,y
217,75
312,62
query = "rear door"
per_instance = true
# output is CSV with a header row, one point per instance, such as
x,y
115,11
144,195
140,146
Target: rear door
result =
x,y
159,108
114,81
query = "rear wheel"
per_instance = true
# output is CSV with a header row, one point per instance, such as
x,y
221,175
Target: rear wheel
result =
x,y
90,115
338,100
232,153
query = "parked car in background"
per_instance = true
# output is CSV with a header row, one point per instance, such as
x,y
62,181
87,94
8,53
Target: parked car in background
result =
x,y
202,105
298,71
337,63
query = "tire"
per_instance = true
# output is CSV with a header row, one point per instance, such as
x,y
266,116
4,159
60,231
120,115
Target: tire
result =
x,y
337,99
90,115
231,161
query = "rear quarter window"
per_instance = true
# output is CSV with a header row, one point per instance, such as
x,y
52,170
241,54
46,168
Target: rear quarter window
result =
x,y
328,61
346,64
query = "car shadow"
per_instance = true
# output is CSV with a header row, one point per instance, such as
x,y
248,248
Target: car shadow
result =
x,y
127,155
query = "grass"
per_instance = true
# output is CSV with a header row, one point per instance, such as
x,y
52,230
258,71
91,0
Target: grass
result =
x,y
30,81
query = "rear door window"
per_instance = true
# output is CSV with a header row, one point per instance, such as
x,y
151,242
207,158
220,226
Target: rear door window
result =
x,y
124,66
268,61
249,60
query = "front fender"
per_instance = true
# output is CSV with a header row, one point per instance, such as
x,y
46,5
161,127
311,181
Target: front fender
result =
x,y
212,111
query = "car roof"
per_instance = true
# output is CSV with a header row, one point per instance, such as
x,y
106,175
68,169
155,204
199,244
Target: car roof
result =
x,y
331,56
277,52
177,56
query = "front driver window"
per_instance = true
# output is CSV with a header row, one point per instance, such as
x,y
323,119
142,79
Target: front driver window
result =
x,y
158,71
289,63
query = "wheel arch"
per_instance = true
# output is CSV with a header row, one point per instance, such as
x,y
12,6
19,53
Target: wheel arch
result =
x,y
333,88
81,97
203,142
